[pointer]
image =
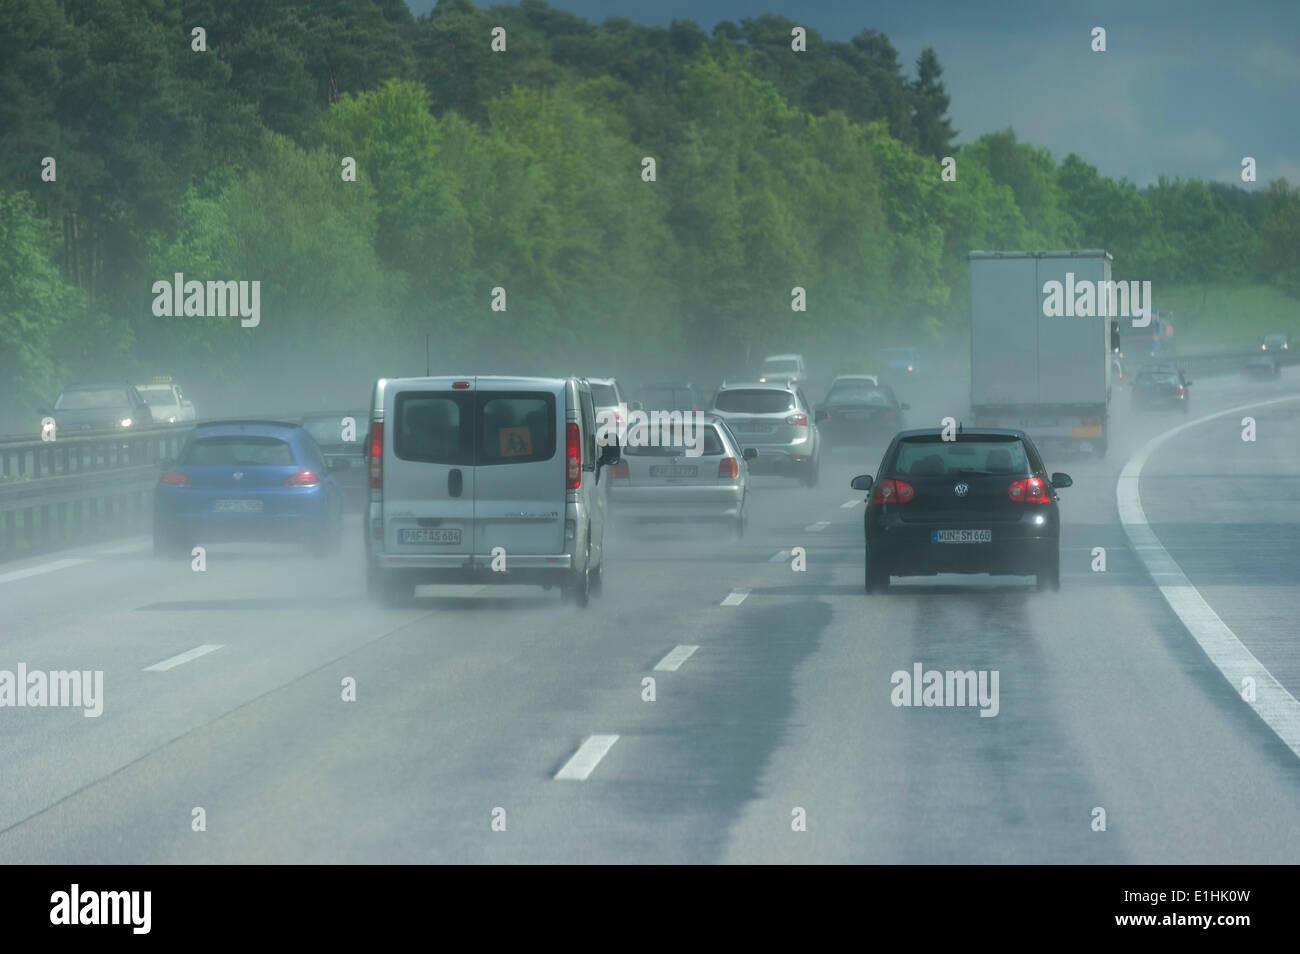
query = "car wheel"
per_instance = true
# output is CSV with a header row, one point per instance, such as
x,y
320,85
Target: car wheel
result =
x,y
597,580
1050,579
877,576
578,590
811,474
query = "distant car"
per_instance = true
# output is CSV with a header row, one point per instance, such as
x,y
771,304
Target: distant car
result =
x,y
166,402
669,396
246,481
1160,386
608,396
857,409
902,359
1263,366
980,503
783,367
87,407
1275,342
664,483
341,437
777,421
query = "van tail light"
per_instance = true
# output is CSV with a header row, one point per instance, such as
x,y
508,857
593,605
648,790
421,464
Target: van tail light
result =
x,y
893,491
798,420
175,477
377,455
727,468
620,470
304,478
1029,490
574,453
1182,391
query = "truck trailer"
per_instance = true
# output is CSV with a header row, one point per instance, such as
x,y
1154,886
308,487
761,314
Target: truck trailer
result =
x,y
1042,334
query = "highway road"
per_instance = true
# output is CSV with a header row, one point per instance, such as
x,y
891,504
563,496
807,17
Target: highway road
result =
x,y
470,702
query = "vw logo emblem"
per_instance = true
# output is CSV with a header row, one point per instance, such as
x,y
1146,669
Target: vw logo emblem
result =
x,y
961,490
238,475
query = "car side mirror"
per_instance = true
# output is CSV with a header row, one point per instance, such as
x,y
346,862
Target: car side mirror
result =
x,y
1062,480
610,454
749,453
904,407
862,483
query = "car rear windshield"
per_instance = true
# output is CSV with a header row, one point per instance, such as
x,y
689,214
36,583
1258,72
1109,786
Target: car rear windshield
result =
x,y
754,401
859,394
712,447
783,366
80,400
240,451
667,399
1162,378
514,427
604,395
157,397
932,456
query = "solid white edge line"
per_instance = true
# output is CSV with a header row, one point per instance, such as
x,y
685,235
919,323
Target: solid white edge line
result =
x,y
1273,703
14,575
588,756
180,660
673,661
735,597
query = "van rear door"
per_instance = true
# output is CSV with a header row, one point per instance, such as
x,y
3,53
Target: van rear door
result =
x,y
519,484
428,468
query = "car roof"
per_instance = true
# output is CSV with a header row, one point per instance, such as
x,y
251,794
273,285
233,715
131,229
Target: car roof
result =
x,y
967,432
253,427
757,385
611,382
314,415
856,377
783,357
505,381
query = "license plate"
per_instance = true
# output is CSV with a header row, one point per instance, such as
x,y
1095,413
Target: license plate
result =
x,y
238,506
675,470
753,428
428,536
961,536
853,415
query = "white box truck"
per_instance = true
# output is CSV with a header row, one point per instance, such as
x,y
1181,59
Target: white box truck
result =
x,y
1040,353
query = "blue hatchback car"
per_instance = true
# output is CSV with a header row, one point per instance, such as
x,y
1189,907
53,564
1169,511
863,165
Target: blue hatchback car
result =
x,y
247,481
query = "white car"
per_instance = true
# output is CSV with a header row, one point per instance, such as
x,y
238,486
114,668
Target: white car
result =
x,y
485,480
608,396
783,367
663,483
167,403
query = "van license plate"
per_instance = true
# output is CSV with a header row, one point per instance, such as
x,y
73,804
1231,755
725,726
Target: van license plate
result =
x,y
422,535
961,536
675,470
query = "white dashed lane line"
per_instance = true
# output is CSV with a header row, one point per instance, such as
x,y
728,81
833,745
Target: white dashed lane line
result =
x,y
1274,704
588,756
14,575
673,661
779,557
849,504
817,527
735,598
183,658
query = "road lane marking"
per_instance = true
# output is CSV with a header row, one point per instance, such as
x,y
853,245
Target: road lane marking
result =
x,y
817,527
735,598
849,504
1273,703
587,757
673,661
780,556
183,658
31,571
129,548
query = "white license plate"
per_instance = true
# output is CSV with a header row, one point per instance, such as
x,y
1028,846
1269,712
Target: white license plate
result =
x,y
961,536
675,470
428,536
754,428
238,506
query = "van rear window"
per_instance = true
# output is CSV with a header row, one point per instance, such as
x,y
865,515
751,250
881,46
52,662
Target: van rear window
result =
x,y
516,427
434,427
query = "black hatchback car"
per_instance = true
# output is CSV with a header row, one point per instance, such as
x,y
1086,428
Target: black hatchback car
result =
x,y
1160,386
857,409
981,502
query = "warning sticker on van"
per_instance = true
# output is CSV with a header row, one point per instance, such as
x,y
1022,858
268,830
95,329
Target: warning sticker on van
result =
x,y
516,441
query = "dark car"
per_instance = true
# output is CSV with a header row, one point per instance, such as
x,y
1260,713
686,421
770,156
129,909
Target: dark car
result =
x,y
857,409
1277,341
669,396
1262,366
246,481
96,407
1160,386
980,503
341,437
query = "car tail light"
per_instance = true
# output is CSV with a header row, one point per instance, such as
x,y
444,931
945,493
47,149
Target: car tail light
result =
x,y
1029,490
893,491
890,413
574,450
175,477
1181,390
377,455
304,478
798,420
620,470
727,468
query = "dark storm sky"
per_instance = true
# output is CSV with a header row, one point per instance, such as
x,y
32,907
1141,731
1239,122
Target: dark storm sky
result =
x,y
1187,87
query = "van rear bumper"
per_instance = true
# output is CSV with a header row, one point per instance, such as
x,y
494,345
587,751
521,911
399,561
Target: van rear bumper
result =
x,y
472,562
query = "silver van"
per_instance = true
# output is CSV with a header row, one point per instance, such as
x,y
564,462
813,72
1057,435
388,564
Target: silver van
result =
x,y
485,480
